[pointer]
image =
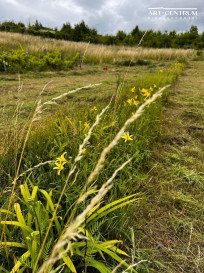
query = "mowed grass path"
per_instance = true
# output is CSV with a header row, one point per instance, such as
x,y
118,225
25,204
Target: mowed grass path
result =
x,y
174,213
61,82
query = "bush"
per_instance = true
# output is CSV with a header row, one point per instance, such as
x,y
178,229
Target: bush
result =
x,y
20,61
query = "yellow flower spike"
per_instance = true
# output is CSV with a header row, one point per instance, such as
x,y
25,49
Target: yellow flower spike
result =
x,y
59,166
127,137
132,89
62,158
129,101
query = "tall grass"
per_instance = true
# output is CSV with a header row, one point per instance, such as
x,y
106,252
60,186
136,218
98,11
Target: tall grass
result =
x,y
93,53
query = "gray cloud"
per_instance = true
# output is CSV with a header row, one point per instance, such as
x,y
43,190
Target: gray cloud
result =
x,y
107,16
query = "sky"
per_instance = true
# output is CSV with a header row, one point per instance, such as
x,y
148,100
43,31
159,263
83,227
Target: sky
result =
x,y
107,16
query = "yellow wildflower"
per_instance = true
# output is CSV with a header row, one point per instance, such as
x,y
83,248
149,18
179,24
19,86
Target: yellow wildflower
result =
x,y
59,166
132,89
94,108
151,89
86,125
83,151
129,101
155,86
161,70
136,97
144,92
62,158
136,102
127,137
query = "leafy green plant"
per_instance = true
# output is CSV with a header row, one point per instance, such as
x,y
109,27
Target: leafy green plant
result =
x,y
19,60
33,220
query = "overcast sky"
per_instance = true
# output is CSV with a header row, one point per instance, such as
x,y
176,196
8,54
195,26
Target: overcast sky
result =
x,y
107,16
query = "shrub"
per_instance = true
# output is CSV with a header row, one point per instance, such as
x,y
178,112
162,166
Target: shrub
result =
x,y
20,61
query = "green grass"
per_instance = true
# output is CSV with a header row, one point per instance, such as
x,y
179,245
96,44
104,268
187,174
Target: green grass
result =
x,y
60,82
170,225
156,215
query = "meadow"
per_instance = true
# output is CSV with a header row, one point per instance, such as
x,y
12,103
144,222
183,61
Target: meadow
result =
x,y
75,151
91,53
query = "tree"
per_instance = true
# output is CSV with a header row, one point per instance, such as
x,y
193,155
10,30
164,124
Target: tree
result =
x,y
80,32
120,37
21,27
66,32
194,30
135,31
37,25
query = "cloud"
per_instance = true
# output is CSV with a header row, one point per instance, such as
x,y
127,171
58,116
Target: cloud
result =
x,y
107,16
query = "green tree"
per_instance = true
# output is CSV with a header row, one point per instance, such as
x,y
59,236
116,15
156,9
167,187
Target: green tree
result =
x,y
66,31
80,32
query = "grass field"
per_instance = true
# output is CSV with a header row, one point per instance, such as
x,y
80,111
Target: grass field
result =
x,y
61,82
111,172
91,53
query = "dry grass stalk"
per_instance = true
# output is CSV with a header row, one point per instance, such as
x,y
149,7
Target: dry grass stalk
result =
x,y
98,117
35,167
71,92
134,265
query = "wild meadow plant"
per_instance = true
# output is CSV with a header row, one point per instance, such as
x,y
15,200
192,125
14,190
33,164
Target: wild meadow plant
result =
x,y
19,60
64,206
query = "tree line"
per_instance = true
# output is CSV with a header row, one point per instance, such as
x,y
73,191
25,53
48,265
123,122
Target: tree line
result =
x,y
81,32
